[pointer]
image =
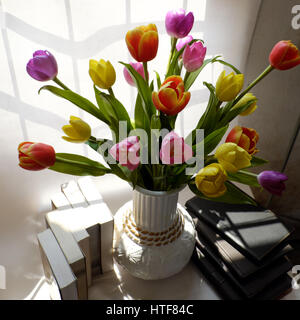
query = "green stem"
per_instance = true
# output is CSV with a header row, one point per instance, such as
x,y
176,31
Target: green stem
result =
x,y
258,79
173,46
187,74
110,90
218,105
145,66
56,80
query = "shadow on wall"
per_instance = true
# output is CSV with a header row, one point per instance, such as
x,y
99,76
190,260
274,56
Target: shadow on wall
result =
x,y
278,113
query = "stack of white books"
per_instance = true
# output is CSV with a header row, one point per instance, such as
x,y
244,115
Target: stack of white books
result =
x,y
77,244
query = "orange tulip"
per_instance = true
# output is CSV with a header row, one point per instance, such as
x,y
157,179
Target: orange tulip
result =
x,y
245,138
142,42
36,156
171,98
285,55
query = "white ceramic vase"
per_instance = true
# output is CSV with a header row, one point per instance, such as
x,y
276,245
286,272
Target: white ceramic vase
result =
x,y
154,235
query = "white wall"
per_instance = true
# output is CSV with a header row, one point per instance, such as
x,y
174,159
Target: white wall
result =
x,y
75,31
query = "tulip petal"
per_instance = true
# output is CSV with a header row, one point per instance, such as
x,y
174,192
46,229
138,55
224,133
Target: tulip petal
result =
x,y
71,132
133,38
158,105
168,98
148,46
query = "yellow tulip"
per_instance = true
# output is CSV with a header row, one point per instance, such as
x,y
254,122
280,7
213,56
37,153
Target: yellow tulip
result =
x,y
210,180
77,131
228,87
102,73
246,98
232,157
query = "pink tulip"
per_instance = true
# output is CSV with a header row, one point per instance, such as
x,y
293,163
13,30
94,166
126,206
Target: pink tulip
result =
x,y
178,24
174,150
137,67
183,42
193,56
127,152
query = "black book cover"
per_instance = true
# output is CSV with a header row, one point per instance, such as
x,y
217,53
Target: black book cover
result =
x,y
250,286
234,259
254,231
228,290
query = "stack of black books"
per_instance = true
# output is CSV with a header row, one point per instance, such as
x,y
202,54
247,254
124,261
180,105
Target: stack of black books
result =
x,y
241,249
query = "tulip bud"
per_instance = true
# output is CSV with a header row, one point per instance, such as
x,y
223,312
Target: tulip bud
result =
x,y
42,66
178,24
171,98
102,73
142,42
193,56
36,156
228,87
183,42
272,181
285,55
210,180
246,98
77,131
245,138
137,67
174,150
232,157
127,152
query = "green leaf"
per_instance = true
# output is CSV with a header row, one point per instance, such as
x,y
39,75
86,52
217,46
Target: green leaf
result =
x,y
155,122
233,195
255,162
237,71
143,89
76,99
141,119
193,75
212,140
113,110
230,115
158,81
78,165
96,144
244,177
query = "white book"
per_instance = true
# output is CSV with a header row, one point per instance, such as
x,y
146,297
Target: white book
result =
x,y
89,190
61,280
74,194
60,202
99,223
73,221
70,249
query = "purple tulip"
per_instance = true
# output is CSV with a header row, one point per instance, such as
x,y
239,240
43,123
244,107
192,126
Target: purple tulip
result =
x,y
183,42
178,25
137,67
193,56
272,181
127,152
42,66
174,150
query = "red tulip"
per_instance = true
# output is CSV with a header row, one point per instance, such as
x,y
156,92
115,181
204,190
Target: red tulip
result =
x,y
245,138
171,97
36,156
285,55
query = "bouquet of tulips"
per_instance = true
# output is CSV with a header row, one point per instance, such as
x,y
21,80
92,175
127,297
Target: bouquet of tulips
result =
x,y
146,151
